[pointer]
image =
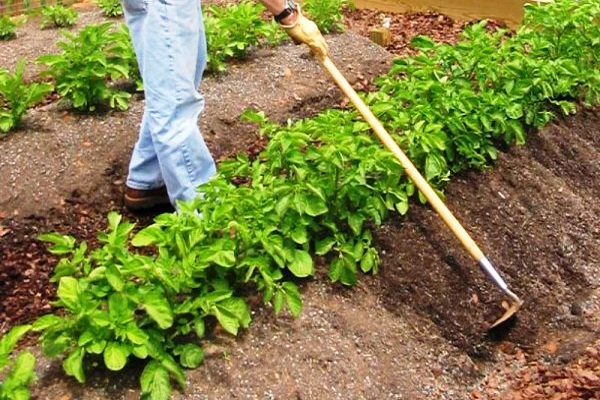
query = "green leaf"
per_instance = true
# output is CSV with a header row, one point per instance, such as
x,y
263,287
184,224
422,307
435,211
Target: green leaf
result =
x,y
68,292
101,318
135,334
152,234
343,269
227,320
199,327
10,340
191,356
114,278
402,207
119,308
96,347
517,130
293,298
158,308
238,308
283,205
167,361
85,338
299,234
231,314
114,219
335,269
22,374
278,298
62,244
317,192
324,245
301,265
97,273
73,364
422,42
155,382
348,273
356,222
115,356
224,258
369,261
57,344
515,111
140,352
433,166
309,204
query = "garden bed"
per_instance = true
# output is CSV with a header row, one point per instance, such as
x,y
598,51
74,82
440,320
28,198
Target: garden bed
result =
x,y
415,330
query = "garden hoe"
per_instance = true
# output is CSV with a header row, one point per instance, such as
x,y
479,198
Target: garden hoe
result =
x,y
432,197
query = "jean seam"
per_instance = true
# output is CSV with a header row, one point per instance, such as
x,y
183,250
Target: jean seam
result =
x,y
169,45
189,166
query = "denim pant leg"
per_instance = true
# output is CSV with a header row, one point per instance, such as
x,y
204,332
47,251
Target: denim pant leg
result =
x,y
169,39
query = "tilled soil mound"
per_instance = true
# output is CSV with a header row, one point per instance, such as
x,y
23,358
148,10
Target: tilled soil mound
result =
x,y
414,331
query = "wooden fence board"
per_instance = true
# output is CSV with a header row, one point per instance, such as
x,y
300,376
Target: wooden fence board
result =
x,y
508,11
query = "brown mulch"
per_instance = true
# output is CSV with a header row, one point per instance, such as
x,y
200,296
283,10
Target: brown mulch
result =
x,y
537,380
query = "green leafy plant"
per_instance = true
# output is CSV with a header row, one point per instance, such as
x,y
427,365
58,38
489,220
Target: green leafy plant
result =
x,y
120,305
491,87
16,96
111,8
315,193
58,16
327,14
233,29
88,66
7,28
19,372
570,45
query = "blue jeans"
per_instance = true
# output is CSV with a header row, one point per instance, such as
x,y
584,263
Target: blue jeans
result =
x,y
170,45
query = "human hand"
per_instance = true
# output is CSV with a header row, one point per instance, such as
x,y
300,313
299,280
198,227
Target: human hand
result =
x,y
303,30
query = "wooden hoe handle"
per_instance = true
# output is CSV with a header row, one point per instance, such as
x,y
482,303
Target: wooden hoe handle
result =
x,y
411,170
432,197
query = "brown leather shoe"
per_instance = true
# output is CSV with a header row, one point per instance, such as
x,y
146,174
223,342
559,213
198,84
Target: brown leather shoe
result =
x,y
136,199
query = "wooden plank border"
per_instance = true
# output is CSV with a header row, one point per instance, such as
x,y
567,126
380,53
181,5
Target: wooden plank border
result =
x,y
508,11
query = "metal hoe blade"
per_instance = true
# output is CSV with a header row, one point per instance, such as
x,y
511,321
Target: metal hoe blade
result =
x,y
515,304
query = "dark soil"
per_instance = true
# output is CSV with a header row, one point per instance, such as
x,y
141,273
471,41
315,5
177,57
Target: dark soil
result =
x,y
417,329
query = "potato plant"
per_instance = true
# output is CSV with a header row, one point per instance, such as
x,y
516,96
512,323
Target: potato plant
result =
x,y
58,16
111,8
16,96
18,373
90,63
455,103
233,29
7,28
327,14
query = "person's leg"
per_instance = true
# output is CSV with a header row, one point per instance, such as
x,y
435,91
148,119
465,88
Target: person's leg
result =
x,y
144,169
174,55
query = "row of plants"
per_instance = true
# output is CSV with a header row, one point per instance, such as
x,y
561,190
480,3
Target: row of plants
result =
x,y
316,192
53,16
93,63
19,7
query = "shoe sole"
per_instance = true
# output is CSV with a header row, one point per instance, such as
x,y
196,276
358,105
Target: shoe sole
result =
x,y
144,204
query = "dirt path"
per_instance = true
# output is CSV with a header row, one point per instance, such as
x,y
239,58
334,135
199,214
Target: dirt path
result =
x,y
414,331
